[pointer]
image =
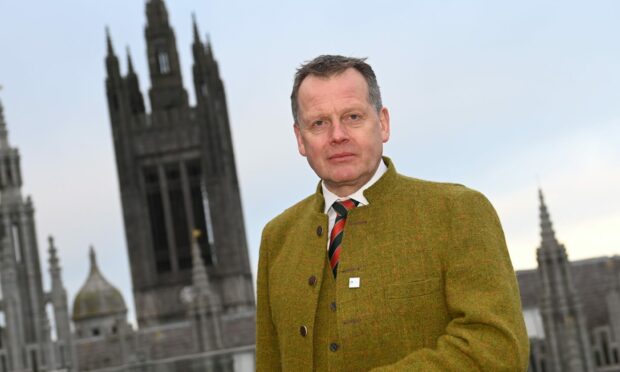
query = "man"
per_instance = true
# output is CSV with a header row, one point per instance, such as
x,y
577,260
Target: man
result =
x,y
378,271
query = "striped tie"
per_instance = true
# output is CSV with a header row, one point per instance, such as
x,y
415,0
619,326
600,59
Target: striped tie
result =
x,y
335,240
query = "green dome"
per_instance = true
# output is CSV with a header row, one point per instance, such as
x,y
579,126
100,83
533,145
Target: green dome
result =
x,y
97,297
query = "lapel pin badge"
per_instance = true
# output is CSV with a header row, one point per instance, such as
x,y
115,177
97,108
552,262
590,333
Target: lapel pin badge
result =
x,y
354,282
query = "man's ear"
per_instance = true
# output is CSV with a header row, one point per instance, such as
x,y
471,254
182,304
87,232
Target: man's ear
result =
x,y
300,141
384,121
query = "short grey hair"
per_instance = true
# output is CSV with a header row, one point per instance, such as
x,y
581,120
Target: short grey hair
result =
x,y
329,65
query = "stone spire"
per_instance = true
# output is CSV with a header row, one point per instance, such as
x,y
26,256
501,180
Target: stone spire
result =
x,y
21,280
58,296
109,42
566,336
111,61
93,259
130,70
4,135
195,28
54,265
10,172
546,227
209,46
167,91
156,13
132,85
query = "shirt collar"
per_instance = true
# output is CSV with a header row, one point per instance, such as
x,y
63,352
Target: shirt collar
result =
x,y
330,197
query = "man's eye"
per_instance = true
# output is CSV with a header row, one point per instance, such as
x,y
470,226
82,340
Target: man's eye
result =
x,y
353,118
318,123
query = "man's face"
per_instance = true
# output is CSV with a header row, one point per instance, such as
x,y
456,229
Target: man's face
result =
x,y
339,131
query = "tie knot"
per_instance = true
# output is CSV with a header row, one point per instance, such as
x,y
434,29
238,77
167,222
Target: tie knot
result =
x,y
344,206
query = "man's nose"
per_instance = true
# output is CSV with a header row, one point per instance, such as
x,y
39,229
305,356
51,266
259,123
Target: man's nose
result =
x,y
339,132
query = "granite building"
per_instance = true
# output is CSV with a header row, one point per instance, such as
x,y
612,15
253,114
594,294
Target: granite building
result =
x,y
177,174
184,227
35,332
189,263
571,309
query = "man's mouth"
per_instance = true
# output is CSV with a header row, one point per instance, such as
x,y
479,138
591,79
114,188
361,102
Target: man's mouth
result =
x,y
341,156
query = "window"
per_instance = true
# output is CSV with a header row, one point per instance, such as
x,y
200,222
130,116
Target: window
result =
x,y
9,173
157,220
34,360
16,242
61,352
163,62
51,316
179,216
199,207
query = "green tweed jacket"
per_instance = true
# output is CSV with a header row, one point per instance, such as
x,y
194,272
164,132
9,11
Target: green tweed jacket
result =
x,y
437,289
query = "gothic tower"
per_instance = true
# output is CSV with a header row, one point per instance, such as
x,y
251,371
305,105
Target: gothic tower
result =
x,y
27,345
177,173
568,345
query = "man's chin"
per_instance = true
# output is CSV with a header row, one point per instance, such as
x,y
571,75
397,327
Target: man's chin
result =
x,y
340,180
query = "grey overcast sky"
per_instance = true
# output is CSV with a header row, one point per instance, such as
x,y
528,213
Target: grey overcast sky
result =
x,y
500,96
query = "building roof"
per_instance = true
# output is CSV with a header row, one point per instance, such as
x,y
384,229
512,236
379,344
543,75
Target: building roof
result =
x,y
97,297
592,278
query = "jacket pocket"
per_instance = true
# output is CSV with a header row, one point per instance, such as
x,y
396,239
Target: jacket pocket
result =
x,y
418,307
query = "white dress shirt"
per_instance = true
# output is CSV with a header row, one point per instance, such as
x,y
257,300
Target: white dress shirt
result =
x,y
330,197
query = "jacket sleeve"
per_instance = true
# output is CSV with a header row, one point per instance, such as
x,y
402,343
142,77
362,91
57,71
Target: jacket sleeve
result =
x,y
486,331
267,348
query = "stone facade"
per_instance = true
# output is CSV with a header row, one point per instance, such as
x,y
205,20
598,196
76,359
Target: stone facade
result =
x,y
191,276
572,309
177,173
26,342
192,282
208,340
99,307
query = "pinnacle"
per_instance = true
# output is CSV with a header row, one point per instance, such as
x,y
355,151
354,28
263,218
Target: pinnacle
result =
x,y
4,141
52,248
109,41
53,258
93,258
129,62
195,28
547,233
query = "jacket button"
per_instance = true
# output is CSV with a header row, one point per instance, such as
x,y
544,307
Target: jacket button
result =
x,y
332,306
319,230
312,280
334,347
303,331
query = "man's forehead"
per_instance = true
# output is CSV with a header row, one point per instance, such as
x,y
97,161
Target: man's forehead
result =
x,y
346,81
